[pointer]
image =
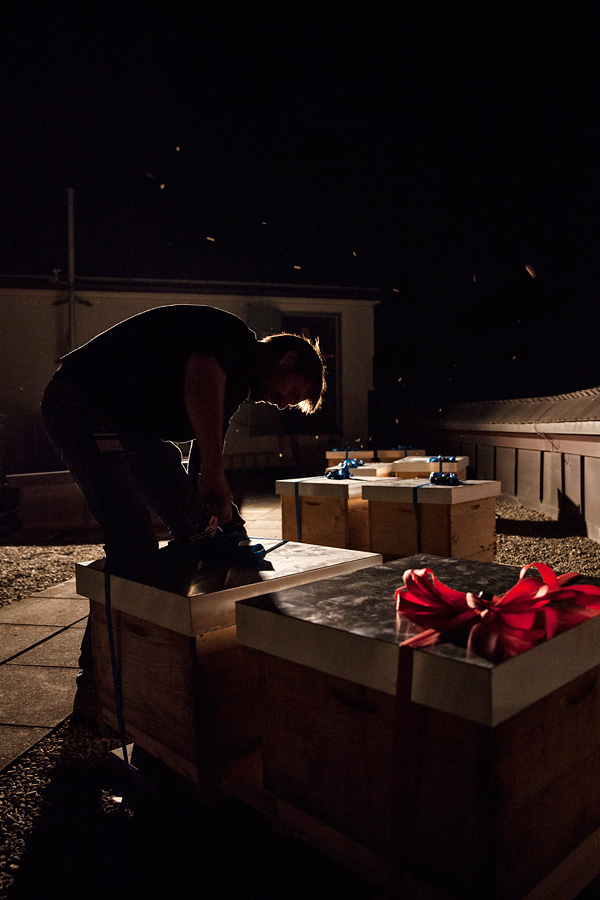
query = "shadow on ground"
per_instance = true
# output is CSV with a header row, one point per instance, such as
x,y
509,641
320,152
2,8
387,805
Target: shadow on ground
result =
x,y
533,529
85,844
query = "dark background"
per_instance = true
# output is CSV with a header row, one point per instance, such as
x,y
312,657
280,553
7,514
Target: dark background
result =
x,y
429,150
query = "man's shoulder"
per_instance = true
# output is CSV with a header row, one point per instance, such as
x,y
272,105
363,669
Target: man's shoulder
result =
x,y
202,314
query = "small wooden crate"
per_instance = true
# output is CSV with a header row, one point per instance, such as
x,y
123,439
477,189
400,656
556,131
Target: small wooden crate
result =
x,y
332,512
50,500
420,467
189,690
397,453
369,470
459,770
411,516
334,457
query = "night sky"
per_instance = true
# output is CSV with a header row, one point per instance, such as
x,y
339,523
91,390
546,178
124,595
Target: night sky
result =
x,y
431,152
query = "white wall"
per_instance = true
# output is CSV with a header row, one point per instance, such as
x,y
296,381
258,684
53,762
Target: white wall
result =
x,y
34,334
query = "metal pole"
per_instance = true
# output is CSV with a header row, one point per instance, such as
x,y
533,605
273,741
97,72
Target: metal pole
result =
x,y
71,241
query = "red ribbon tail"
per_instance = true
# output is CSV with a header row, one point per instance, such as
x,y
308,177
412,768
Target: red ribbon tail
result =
x,y
431,636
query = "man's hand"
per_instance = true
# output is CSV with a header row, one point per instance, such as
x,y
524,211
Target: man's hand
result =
x,y
216,495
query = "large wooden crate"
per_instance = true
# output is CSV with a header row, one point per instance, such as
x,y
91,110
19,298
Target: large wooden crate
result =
x,y
421,467
397,453
474,779
368,470
411,516
334,457
50,500
188,688
331,512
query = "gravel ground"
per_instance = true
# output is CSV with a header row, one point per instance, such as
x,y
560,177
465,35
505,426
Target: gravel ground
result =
x,y
72,826
24,570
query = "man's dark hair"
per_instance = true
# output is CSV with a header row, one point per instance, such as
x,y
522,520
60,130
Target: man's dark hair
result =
x,y
310,364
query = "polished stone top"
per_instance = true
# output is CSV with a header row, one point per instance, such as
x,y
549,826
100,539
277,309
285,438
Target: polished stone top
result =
x,y
191,593
348,626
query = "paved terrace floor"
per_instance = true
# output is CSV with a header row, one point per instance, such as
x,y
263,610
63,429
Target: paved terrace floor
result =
x,y
40,638
39,647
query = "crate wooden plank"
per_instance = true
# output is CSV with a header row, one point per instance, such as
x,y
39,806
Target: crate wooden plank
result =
x,y
421,467
484,799
326,749
329,521
157,677
514,841
394,454
332,511
190,702
334,457
402,490
53,506
320,486
465,529
472,529
189,689
369,470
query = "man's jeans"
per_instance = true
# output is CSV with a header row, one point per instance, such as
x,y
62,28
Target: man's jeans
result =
x,y
123,473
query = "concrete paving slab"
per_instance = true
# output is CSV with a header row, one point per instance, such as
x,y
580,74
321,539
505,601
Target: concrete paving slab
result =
x,y
36,610
263,519
61,650
67,589
16,638
16,739
36,695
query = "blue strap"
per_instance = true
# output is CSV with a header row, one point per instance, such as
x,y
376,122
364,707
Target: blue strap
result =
x,y
275,546
417,513
448,478
115,669
298,516
407,450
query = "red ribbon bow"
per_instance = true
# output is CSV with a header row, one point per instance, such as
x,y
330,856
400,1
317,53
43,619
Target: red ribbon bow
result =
x,y
506,624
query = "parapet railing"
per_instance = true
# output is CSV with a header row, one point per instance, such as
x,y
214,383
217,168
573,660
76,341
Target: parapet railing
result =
x,y
544,450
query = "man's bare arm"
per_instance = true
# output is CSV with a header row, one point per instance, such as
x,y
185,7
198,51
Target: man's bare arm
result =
x,y
204,393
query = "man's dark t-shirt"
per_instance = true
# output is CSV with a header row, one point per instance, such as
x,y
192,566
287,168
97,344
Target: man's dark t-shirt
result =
x,y
135,370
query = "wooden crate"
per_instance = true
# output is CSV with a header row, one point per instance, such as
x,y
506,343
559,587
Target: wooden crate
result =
x,y
476,779
420,467
50,500
334,457
450,521
332,512
368,470
394,454
188,688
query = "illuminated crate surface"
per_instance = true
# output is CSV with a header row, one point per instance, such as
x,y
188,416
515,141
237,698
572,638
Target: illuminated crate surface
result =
x,y
189,689
447,520
478,780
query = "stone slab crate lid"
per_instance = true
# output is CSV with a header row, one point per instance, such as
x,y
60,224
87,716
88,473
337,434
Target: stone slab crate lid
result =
x,y
347,626
419,463
320,486
205,601
369,470
401,491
